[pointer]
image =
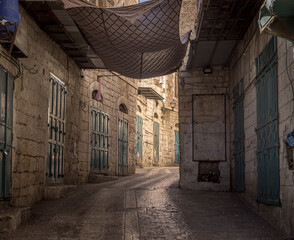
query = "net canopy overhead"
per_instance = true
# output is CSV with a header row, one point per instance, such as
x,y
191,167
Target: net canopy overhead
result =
x,y
137,41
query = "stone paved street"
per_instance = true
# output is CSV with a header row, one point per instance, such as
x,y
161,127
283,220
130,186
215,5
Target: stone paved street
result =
x,y
147,205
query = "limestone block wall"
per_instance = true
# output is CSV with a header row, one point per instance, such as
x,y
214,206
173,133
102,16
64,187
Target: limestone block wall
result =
x,y
243,67
30,115
193,83
161,112
115,91
30,110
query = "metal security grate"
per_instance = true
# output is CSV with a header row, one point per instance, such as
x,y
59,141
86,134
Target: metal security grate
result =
x,y
177,147
99,141
56,130
268,126
123,135
6,136
139,125
239,138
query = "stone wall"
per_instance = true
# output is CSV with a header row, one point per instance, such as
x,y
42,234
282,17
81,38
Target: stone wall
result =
x,y
115,90
243,67
30,120
30,128
161,112
192,84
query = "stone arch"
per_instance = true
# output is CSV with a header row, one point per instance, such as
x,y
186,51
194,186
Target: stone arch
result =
x,y
139,109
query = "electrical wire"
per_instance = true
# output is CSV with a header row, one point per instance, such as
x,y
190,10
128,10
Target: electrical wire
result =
x,y
14,62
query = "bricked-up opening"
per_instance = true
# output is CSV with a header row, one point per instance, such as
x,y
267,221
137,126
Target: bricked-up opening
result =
x,y
209,172
123,108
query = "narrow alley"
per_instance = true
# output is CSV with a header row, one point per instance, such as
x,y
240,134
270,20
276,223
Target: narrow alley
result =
x,y
147,205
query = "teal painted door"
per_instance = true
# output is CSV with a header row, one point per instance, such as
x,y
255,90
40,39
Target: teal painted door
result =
x,y
177,147
6,120
268,126
123,126
56,130
156,142
139,125
239,138
99,141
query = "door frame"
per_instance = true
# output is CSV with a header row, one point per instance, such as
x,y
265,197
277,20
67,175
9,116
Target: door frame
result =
x,y
55,177
6,150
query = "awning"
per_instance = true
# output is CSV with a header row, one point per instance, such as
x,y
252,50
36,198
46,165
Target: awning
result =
x,y
219,26
137,41
277,17
149,93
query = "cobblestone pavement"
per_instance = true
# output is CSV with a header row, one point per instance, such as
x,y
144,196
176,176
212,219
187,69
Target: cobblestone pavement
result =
x,y
147,205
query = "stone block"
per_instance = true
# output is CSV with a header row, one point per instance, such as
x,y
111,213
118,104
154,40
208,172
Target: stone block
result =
x,y
58,191
12,217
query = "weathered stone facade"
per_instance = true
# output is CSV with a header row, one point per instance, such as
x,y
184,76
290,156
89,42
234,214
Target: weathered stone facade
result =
x,y
159,111
241,75
30,116
192,84
243,67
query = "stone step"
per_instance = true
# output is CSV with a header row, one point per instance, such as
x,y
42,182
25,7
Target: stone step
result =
x,y
12,217
58,191
100,178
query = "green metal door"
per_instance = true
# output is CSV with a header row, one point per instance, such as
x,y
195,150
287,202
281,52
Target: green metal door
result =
x,y
239,138
156,142
139,126
6,120
177,147
123,126
56,130
99,141
268,126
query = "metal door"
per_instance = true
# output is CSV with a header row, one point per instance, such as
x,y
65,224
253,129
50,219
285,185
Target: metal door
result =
x,y
56,130
156,142
268,126
239,138
6,120
99,141
139,138
123,147
177,147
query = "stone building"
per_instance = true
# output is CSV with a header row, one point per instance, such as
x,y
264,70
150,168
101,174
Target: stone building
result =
x,y
54,131
157,122
236,110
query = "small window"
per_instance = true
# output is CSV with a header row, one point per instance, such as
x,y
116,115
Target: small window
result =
x,y
123,108
156,115
95,97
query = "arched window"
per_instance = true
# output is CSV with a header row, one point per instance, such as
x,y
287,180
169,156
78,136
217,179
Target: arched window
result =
x,y
94,95
155,115
123,108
